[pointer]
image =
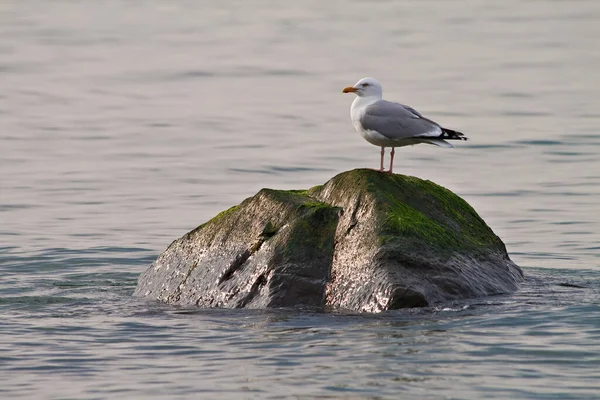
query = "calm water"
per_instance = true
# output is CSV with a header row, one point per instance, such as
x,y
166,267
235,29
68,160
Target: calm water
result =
x,y
124,124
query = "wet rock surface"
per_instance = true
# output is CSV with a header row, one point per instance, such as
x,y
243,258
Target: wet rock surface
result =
x,y
364,241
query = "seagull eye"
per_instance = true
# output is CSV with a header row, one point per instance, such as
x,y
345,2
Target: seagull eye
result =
x,y
365,85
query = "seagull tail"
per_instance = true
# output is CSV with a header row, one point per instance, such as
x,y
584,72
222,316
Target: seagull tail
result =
x,y
437,142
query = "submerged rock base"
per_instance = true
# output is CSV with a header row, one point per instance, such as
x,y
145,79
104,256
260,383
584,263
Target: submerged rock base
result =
x,y
364,241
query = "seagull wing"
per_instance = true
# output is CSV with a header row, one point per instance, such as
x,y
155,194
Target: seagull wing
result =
x,y
396,121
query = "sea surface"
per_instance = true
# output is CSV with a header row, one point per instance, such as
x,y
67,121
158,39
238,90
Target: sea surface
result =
x,y
125,124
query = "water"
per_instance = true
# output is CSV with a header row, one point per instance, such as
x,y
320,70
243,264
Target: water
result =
x,y
124,124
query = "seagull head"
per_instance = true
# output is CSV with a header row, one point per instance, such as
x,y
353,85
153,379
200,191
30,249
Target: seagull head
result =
x,y
366,87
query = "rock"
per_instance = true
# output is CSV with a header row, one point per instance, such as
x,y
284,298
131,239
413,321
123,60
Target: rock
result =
x,y
364,241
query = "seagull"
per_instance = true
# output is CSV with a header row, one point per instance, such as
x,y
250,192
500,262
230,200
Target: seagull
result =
x,y
387,124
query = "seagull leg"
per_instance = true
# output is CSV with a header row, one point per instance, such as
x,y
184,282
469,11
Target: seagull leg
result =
x,y
381,163
392,159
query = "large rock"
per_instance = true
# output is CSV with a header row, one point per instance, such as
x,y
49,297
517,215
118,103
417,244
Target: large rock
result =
x,y
364,241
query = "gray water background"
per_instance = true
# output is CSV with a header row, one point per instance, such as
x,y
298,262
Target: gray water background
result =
x,y
124,124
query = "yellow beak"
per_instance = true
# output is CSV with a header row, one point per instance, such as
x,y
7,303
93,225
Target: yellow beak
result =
x,y
349,89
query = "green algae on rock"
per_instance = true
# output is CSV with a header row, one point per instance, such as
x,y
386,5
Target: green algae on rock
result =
x,y
364,241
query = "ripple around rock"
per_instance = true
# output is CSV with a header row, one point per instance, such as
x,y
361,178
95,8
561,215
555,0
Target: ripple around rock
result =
x,y
364,241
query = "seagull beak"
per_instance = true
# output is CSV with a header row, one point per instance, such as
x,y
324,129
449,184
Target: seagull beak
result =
x,y
349,89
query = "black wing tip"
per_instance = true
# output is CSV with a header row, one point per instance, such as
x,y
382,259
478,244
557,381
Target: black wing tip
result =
x,y
452,135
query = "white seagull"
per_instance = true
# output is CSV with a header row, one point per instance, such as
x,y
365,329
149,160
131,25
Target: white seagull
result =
x,y
388,124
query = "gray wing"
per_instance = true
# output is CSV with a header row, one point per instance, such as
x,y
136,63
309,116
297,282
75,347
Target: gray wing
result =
x,y
397,121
